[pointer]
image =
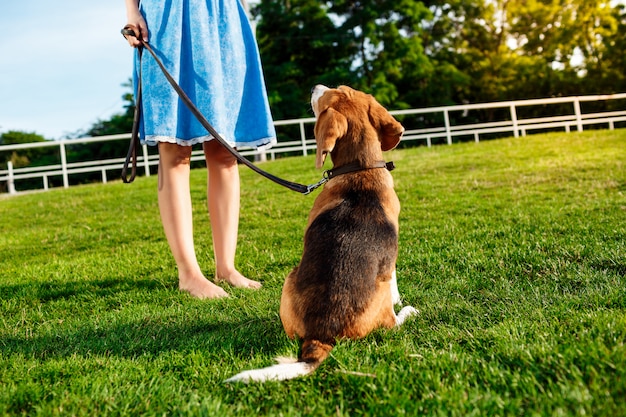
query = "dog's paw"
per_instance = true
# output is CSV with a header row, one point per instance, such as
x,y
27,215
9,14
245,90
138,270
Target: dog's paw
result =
x,y
404,314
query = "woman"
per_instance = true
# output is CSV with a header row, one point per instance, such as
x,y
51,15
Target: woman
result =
x,y
208,46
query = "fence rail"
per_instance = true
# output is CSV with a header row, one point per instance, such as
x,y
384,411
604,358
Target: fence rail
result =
x,y
427,125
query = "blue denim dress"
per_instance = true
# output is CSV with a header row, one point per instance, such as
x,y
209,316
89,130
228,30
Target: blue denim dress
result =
x,y
209,48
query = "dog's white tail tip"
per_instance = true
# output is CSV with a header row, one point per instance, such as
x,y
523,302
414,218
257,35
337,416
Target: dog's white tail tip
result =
x,y
279,372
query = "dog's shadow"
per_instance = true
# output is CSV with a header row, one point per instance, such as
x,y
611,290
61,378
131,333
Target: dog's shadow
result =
x,y
137,335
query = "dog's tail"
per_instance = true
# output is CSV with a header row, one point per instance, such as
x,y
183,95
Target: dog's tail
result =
x,y
312,355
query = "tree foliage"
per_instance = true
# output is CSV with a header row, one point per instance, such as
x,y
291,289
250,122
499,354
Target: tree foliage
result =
x,y
435,52
300,46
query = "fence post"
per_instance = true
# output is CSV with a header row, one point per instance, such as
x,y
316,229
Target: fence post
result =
x,y
303,138
146,161
579,121
66,182
446,119
514,120
10,180
261,156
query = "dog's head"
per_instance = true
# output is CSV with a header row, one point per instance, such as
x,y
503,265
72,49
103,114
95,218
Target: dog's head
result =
x,y
355,117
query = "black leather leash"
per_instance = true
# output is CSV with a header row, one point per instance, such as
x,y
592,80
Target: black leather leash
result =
x,y
131,157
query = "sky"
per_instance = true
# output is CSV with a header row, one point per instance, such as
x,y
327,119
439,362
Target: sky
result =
x,y
62,65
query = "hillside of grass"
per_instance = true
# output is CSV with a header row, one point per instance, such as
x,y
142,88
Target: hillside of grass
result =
x,y
513,251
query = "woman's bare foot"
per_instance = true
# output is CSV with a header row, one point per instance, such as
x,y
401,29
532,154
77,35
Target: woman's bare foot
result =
x,y
200,287
237,280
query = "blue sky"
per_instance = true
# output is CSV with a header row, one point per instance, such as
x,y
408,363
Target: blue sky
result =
x,y
62,64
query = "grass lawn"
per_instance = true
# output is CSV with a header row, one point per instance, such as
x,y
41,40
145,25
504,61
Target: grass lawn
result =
x,y
513,250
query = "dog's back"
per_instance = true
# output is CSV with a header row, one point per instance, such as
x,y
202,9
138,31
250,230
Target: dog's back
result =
x,y
347,247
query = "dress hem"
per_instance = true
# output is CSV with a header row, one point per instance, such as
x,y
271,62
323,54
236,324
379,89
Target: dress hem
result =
x,y
153,140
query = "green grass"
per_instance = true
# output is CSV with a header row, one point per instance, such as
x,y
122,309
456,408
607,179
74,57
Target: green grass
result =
x,y
514,251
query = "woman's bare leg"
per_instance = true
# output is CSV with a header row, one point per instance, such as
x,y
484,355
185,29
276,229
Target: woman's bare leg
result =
x,y
223,195
176,216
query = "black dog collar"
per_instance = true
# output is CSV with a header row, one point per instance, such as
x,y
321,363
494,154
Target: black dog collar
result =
x,y
355,166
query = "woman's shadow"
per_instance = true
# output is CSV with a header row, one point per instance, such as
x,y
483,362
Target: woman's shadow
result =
x,y
131,338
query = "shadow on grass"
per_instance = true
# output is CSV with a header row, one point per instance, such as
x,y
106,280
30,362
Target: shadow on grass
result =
x,y
132,334
56,290
610,266
141,338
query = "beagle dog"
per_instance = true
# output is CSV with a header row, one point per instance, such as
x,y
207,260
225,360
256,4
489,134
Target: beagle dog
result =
x,y
345,285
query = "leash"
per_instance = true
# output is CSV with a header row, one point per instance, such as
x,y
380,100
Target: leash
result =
x,y
131,157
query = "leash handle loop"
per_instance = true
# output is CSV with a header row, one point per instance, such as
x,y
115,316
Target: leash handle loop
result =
x,y
129,30
131,156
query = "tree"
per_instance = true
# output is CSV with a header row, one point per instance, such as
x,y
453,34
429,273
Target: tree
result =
x,y
300,46
607,64
376,46
514,49
390,53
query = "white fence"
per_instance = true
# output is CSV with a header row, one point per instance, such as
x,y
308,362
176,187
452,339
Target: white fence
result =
x,y
428,125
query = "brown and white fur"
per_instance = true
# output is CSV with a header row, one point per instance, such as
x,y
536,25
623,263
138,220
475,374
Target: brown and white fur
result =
x,y
345,285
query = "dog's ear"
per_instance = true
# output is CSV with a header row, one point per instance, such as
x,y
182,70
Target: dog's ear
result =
x,y
389,129
330,126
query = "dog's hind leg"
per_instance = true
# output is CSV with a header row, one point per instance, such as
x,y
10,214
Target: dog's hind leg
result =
x,y
395,294
406,312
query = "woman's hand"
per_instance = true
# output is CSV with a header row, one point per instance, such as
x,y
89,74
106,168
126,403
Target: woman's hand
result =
x,y
136,23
